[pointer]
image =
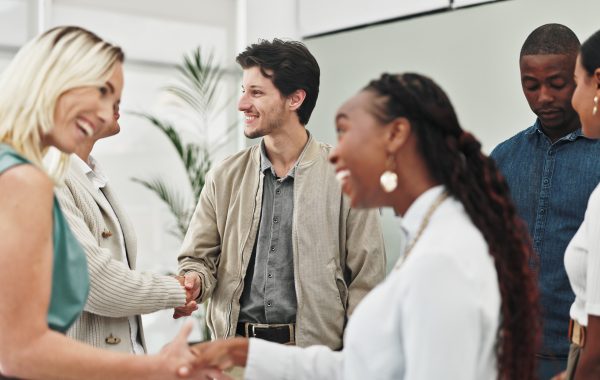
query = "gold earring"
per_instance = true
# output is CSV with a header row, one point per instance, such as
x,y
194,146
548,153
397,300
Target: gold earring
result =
x,y
595,110
389,179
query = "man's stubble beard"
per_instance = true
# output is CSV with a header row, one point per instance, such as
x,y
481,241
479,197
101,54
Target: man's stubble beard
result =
x,y
271,126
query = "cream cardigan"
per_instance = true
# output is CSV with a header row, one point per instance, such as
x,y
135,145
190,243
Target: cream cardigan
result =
x,y
116,290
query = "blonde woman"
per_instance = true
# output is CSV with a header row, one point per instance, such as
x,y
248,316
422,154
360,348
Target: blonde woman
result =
x,y
60,90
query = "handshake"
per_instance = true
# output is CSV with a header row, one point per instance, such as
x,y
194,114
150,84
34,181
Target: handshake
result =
x,y
205,361
192,284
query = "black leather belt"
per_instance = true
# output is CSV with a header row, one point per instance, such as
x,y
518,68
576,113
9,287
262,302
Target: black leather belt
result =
x,y
278,333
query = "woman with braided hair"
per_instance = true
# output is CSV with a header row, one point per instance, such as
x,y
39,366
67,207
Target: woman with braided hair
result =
x,y
461,303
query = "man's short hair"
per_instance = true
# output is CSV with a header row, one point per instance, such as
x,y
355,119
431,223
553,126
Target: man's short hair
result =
x,y
551,39
292,67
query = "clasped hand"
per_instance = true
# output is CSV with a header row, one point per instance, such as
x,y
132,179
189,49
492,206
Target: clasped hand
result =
x,y
183,361
191,283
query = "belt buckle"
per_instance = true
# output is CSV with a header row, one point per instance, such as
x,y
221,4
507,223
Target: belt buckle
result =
x,y
250,329
247,327
292,327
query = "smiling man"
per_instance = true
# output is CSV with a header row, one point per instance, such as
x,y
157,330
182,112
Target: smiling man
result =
x,y
551,169
273,242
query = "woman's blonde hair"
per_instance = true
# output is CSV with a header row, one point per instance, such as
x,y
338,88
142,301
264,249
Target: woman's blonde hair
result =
x,y
46,67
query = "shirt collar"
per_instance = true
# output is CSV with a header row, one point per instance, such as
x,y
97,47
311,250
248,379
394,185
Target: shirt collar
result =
x,y
537,128
416,212
92,170
266,164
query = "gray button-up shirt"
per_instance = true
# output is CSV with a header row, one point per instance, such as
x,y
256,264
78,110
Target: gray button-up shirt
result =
x,y
269,294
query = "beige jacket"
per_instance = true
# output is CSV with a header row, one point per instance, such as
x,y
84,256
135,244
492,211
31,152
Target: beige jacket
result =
x,y
338,252
116,290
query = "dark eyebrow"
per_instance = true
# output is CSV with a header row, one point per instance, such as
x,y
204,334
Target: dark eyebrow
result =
x,y
527,77
340,116
110,87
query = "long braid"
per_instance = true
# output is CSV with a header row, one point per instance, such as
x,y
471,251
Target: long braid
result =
x,y
454,159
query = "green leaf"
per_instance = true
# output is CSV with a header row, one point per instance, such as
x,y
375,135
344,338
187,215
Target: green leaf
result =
x,y
198,88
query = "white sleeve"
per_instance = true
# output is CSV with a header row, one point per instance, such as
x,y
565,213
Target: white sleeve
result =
x,y
440,321
272,361
592,233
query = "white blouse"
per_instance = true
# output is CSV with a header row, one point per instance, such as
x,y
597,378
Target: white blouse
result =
x,y
436,317
582,262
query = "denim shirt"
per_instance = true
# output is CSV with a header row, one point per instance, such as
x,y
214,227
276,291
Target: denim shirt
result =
x,y
550,184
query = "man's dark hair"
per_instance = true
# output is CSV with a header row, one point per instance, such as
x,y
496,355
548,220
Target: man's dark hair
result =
x,y
291,67
551,39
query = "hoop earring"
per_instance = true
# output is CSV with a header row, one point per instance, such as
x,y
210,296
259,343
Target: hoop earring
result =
x,y
595,110
389,179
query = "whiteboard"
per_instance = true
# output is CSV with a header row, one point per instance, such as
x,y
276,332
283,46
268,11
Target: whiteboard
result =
x,y
464,3
317,16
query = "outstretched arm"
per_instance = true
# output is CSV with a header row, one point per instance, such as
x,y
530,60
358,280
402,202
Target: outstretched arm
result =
x,y
271,361
28,348
201,247
115,289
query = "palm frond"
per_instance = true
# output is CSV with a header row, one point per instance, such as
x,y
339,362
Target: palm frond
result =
x,y
198,82
197,87
166,128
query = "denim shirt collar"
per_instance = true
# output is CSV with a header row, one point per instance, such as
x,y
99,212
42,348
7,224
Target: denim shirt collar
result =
x,y
537,128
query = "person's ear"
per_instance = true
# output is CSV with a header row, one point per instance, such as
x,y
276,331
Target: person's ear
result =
x,y
399,132
596,79
295,99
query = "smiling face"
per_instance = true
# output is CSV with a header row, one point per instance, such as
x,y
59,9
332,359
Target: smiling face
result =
x,y
548,85
583,100
83,113
263,105
360,156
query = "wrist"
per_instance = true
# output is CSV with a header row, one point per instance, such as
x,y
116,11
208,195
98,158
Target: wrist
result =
x,y
239,353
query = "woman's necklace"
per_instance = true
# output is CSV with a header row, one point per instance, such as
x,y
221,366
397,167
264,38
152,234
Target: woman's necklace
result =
x,y
438,201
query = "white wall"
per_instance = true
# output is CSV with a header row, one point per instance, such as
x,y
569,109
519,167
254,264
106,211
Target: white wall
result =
x,y
472,53
15,22
267,19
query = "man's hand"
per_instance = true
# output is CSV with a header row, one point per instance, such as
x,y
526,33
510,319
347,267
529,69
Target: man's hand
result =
x,y
192,284
560,376
222,354
180,361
